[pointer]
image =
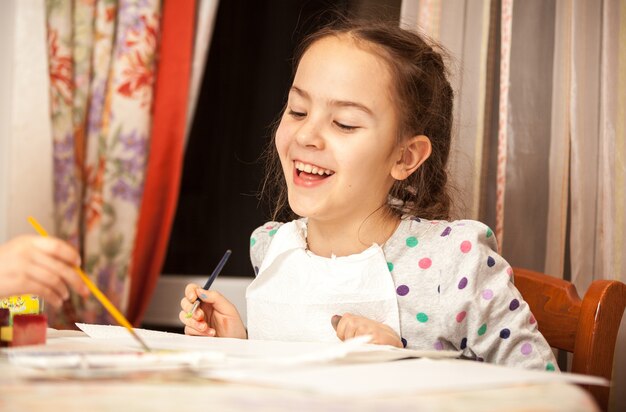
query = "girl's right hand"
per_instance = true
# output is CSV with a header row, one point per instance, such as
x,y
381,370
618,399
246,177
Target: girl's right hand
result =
x,y
215,316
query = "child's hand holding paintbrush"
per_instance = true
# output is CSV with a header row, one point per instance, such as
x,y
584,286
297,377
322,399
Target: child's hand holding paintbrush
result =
x,y
216,315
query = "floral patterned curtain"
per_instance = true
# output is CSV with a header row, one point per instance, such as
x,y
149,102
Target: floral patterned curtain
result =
x,y
102,72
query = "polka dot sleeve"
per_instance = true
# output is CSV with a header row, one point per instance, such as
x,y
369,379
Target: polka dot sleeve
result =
x,y
259,242
487,317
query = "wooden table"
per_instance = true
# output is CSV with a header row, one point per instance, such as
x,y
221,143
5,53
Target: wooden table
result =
x,y
182,392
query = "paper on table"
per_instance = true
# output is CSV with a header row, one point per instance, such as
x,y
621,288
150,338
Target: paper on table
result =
x,y
111,350
243,352
395,378
80,353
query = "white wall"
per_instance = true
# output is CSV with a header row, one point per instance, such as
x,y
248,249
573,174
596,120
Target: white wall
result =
x,y
6,75
25,136
165,304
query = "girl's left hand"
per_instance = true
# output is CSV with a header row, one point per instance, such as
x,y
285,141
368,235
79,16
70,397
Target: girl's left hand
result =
x,y
349,326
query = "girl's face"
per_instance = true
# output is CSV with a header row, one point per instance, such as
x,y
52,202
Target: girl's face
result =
x,y
337,137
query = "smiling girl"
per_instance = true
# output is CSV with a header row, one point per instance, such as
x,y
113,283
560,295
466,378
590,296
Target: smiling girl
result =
x,y
360,158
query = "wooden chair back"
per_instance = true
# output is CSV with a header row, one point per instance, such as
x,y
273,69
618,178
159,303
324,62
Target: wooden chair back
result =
x,y
587,328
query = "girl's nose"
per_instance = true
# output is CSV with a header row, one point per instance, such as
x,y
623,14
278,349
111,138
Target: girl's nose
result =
x,y
309,135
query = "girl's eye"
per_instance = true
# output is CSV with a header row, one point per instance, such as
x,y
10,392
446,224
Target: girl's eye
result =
x,y
346,127
296,115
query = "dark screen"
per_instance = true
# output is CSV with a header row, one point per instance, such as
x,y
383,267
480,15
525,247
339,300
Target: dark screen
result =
x,y
244,88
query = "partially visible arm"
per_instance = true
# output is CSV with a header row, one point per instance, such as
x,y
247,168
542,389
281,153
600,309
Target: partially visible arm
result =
x,y
350,326
487,313
259,243
31,264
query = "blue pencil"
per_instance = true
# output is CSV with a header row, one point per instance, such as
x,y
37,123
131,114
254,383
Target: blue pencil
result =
x,y
209,281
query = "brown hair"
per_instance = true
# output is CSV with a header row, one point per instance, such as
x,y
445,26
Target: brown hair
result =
x,y
424,103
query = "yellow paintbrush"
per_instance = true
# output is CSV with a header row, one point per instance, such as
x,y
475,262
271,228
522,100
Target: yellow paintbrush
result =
x,y
96,292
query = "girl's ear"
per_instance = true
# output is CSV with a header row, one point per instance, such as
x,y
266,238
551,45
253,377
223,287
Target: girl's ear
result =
x,y
412,153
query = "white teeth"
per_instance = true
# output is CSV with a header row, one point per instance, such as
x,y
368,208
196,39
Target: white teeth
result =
x,y
304,167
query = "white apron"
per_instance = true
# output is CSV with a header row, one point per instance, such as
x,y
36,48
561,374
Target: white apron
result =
x,y
296,293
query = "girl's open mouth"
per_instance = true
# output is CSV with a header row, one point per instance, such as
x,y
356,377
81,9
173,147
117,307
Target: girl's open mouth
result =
x,y
309,172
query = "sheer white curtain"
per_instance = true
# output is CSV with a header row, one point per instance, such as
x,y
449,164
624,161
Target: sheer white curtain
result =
x,y
464,31
550,173
25,144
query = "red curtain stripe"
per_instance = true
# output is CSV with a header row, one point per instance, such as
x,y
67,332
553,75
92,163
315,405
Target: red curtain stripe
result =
x,y
164,168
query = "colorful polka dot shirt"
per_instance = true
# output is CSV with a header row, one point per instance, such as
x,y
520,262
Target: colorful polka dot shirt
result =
x,y
454,292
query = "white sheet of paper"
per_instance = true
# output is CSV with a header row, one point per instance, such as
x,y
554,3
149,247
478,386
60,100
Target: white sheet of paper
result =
x,y
350,368
81,353
112,348
402,377
255,352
